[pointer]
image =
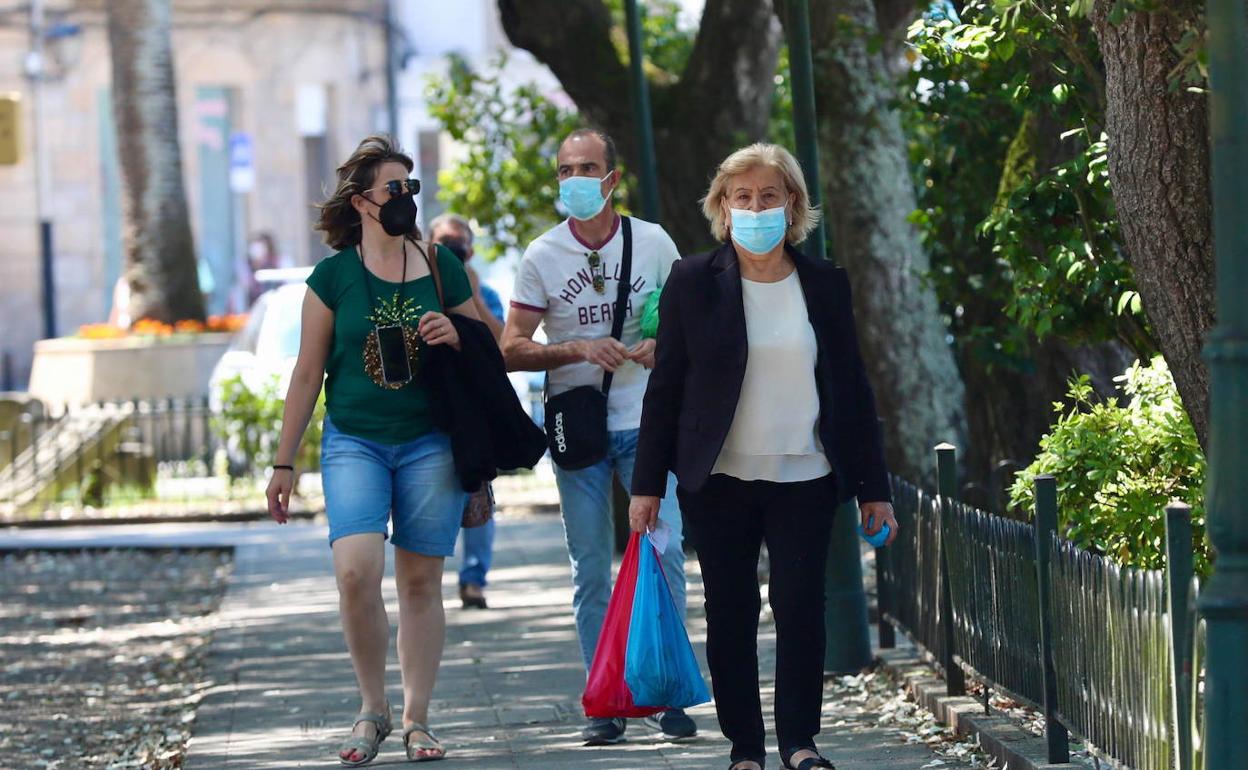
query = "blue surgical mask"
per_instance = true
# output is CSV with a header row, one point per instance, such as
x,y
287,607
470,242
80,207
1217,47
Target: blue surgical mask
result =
x,y
759,232
582,196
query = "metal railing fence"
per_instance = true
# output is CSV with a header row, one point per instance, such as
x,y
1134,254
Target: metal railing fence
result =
x,y
1107,653
129,457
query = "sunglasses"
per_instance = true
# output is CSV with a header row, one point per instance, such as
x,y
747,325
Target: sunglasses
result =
x,y
396,187
597,271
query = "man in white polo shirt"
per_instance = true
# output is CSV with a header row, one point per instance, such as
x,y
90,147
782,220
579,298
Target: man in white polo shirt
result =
x,y
568,282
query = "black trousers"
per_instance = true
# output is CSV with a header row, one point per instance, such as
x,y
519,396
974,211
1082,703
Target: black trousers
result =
x,y
727,522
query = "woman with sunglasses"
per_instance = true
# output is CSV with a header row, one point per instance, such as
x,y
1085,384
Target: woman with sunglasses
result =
x,y
372,310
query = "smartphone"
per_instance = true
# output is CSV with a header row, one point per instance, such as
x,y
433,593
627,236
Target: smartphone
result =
x,y
395,366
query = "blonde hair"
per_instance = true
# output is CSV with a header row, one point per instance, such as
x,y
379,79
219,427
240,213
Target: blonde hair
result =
x,y
804,216
339,220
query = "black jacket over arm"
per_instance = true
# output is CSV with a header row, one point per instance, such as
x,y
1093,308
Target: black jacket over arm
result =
x,y
700,366
474,403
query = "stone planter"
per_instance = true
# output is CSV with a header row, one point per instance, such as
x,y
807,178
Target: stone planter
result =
x,y
71,371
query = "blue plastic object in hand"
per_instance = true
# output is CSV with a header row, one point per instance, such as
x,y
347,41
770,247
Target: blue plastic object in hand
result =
x,y
878,539
659,666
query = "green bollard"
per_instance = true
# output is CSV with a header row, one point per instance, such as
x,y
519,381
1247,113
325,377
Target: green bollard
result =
x,y
947,486
1178,585
848,646
1045,526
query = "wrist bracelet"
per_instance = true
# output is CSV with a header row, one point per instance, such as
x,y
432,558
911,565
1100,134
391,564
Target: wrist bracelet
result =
x,y
290,468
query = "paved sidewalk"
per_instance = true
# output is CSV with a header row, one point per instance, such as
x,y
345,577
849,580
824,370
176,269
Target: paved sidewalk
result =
x,y
508,694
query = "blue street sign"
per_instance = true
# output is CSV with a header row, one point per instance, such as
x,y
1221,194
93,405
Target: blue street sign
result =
x,y
242,166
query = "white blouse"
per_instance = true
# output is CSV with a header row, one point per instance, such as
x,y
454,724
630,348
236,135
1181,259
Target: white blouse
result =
x,y
774,434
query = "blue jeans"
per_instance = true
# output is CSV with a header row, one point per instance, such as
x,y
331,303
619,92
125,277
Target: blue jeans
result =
x,y
410,488
585,497
478,545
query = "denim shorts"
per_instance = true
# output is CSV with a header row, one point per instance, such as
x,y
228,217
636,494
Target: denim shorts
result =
x,y
411,487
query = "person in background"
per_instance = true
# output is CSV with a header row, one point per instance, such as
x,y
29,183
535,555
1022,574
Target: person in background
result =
x,y
759,401
455,233
119,314
567,282
261,255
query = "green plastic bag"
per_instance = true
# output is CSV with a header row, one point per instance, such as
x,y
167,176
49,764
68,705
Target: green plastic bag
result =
x,y
650,316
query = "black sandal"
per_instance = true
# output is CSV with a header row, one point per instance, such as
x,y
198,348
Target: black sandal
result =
x,y
809,762
736,764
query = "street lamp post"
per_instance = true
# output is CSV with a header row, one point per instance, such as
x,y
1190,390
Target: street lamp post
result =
x,y
1224,600
392,73
848,646
35,70
801,69
648,173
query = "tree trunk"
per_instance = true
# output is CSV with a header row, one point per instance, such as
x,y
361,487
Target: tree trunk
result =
x,y
870,195
1159,168
720,103
160,253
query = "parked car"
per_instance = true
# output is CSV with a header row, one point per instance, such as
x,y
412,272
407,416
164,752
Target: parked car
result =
x,y
267,346
276,277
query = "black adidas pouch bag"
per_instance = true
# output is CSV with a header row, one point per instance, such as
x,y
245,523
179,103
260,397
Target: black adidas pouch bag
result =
x,y
576,420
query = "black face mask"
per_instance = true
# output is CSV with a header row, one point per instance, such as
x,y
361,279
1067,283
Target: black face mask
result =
x,y
456,247
397,215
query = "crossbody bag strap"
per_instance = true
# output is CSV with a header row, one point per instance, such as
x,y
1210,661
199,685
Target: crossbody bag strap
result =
x,y
621,297
435,272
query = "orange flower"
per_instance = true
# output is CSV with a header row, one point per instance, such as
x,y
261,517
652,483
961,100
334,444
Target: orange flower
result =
x,y
100,331
189,325
227,323
151,327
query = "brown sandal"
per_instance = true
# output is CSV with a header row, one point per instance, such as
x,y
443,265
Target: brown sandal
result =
x,y
428,749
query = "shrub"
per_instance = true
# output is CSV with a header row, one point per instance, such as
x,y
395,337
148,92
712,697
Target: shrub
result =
x,y
1117,466
249,424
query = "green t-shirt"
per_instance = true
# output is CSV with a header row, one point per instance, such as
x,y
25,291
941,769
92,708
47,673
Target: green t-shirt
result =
x,y
355,399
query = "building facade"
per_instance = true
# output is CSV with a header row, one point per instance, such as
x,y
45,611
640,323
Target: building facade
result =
x,y
271,96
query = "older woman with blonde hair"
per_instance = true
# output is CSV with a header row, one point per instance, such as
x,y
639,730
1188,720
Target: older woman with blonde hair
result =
x,y
760,404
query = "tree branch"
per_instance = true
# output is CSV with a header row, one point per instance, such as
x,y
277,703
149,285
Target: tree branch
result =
x,y
721,101
895,15
573,39
733,62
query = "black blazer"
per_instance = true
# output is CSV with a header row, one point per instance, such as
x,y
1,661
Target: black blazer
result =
x,y
474,403
700,365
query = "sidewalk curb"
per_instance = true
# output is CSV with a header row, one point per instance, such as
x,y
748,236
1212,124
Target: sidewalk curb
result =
x,y
232,517
1012,746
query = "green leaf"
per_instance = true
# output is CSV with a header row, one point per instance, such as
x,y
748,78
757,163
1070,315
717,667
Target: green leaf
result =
x,y
1118,13
1081,8
1124,300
